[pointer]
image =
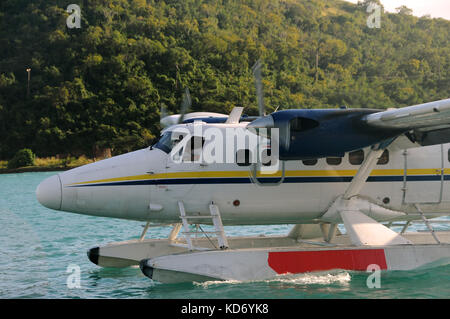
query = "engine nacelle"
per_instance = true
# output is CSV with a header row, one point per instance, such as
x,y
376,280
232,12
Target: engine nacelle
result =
x,y
310,134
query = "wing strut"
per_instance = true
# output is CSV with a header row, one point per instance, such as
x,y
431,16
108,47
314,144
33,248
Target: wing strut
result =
x,y
354,211
363,173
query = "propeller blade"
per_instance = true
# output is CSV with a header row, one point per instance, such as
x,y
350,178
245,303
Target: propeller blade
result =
x,y
164,118
256,69
163,113
185,105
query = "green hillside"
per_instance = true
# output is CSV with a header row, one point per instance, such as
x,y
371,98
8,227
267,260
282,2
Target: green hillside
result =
x,y
103,85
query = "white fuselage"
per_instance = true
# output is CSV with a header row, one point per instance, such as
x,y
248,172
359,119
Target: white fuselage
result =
x,y
145,185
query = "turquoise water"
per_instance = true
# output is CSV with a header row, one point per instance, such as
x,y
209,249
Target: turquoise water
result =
x,y
37,245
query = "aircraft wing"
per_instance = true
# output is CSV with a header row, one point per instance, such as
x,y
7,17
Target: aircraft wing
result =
x,y
175,118
429,123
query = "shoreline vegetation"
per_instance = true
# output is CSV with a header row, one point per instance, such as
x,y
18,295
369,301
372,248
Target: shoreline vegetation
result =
x,y
66,90
47,164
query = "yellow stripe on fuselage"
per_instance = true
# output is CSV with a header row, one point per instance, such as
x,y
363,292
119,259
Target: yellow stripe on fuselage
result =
x,y
243,174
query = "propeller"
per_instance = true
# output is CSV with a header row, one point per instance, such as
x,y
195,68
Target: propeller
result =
x,y
262,121
168,120
185,105
256,69
163,113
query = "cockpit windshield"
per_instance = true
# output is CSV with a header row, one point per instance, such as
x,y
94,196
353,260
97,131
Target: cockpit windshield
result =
x,y
167,142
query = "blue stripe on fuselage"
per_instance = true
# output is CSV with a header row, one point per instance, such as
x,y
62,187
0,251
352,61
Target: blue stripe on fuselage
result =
x,y
245,180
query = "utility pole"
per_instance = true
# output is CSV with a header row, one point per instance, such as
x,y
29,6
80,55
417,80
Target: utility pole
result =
x,y
28,86
319,43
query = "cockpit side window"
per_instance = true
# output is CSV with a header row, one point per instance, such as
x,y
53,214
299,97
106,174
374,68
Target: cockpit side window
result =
x,y
193,149
167,142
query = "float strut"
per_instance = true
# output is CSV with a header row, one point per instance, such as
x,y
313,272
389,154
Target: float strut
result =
x,y
144,231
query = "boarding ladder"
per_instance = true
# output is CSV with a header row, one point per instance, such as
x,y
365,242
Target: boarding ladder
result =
x,y
425,220
217,222
427,223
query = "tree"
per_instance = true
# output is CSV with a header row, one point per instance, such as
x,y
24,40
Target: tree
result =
x,y
404,10
103,85
24,157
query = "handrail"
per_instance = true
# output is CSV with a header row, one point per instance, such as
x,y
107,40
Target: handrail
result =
x,y
254,177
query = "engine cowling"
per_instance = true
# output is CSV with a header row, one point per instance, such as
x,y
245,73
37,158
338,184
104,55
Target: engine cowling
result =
x,y
310,134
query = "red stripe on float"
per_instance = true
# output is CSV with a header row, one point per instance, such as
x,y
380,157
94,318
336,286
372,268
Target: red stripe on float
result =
x,y
305,261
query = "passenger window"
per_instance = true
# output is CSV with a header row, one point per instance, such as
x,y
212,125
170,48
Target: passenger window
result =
x,y
310,162
356,157
384,158
334,160
243,157
193,149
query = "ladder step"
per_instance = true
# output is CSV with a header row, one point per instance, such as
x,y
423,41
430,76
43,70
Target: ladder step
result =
x,y
427,223
217,222
185,224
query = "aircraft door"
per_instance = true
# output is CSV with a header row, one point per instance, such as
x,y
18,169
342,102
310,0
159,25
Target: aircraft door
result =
x,y
167,171
181,168
446,184
157,171
423,178
268,170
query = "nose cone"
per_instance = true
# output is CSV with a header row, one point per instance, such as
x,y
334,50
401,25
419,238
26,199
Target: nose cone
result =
x,y
49,193
262,122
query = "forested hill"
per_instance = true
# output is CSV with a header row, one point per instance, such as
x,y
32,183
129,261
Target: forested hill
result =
x,y
103,84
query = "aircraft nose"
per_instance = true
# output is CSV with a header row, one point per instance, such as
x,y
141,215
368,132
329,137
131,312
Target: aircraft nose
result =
x,y
49,192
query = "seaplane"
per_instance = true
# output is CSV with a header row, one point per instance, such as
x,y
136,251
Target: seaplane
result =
x,y
349,181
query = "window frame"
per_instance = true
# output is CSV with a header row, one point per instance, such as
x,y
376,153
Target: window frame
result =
x,y
334,158
190,150
384,158
310,162
351,157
